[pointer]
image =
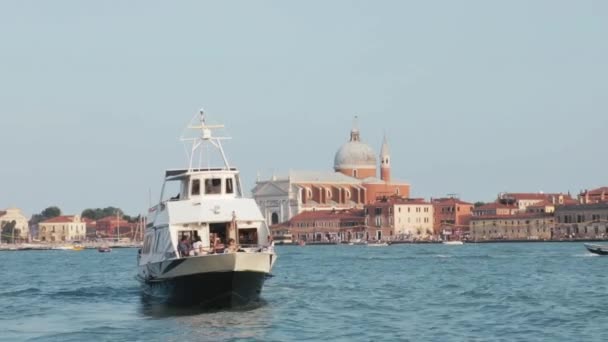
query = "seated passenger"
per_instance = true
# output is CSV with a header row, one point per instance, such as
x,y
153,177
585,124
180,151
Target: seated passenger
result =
x,y
218,246
232,247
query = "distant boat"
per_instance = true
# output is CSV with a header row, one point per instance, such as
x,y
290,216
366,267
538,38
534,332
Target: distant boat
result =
x,y
302,243
597,249
453,242
77,246
357,242
104,249
378,244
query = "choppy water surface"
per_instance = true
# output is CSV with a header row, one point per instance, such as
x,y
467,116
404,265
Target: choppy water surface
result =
x,y
497,292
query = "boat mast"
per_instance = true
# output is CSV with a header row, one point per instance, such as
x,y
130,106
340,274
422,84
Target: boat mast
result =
x,y
205,136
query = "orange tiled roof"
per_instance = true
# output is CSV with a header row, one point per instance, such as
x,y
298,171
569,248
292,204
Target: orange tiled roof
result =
x,y
60,219
540,204
494,206
449,200
511,217
597,191
110,219
328,215
531,195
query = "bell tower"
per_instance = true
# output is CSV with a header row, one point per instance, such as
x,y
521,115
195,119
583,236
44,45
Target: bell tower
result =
x,y
385,161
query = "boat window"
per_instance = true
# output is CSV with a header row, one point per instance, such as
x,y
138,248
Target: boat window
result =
x,y
219,230
196,187
229,188
238,187
213,186
248,236
172,190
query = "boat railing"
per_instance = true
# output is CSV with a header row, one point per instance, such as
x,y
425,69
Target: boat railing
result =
x,y
249,248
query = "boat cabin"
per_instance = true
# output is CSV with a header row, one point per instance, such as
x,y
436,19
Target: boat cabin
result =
x,y
205,203
201,183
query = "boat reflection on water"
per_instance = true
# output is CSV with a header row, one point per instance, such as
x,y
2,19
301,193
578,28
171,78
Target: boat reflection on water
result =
x,y
154,307
250,322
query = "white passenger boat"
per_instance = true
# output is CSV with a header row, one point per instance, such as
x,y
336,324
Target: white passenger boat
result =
x,y
377,244
453,242
209,207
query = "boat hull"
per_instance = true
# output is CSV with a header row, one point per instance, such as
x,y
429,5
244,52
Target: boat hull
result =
x,y
597,249
208,290
212,281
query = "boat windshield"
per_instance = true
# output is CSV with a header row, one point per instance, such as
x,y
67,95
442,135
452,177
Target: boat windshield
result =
x,y
173,190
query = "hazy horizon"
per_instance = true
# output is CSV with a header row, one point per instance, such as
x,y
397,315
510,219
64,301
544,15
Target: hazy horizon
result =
x,y
475,97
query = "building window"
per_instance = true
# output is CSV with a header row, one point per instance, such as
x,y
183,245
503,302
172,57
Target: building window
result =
x,y
355,173
274,219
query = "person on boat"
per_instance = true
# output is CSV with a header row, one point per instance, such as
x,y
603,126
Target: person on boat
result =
x,y
232,247
183,248
218,246
198,247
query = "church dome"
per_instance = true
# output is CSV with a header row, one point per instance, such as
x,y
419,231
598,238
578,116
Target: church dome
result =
x,y
355,154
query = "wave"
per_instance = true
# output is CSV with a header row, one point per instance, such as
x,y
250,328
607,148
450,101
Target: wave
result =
x,y
28,291
98,293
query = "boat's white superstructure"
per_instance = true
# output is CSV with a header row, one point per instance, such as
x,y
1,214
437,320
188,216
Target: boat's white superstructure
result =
x,y
207,205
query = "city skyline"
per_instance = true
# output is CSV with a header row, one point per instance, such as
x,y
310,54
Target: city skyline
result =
x,y
475,98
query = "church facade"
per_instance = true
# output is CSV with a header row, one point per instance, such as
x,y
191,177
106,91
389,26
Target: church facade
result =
x,y
352,184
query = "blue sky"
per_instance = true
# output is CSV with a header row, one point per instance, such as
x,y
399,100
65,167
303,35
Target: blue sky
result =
x,y
476,97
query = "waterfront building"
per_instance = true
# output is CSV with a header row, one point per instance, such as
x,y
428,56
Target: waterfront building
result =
x,y
62,228
91,228
451,216
517,226
581,221
524,199
323,226
541,207
9,215
495,209
400,218
114,227
351,185
599,195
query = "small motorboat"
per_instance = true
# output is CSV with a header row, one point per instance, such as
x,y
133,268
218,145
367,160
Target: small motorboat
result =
x,y
302,243
377,244
357,242
104,249
597,249
453,242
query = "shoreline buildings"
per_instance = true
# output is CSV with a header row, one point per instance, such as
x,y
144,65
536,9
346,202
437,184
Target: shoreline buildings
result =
x,y
19,224
451,217
353,184
62,228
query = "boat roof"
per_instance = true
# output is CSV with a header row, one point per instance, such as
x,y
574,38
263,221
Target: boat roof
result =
x,y
180,172
214,210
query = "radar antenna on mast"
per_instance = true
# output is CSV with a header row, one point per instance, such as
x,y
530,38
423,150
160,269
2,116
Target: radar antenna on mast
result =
x,y
203,137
